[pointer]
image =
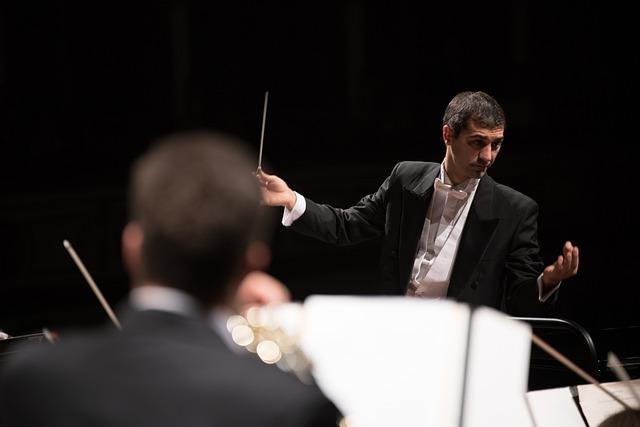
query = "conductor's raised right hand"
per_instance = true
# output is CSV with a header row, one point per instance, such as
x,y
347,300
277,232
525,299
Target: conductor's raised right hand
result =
x,y
275,191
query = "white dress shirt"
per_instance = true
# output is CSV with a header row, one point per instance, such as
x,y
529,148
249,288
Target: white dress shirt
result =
x,y
289,216
443,225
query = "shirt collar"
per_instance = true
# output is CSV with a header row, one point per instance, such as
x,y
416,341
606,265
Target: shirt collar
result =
x,y
163,298
469,185
172,300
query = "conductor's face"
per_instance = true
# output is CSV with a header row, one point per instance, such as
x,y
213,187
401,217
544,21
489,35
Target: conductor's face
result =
x,y
472,152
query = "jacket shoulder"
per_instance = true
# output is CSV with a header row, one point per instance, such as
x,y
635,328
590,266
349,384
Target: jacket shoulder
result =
x,y
409,171
413,168
305,403
515,199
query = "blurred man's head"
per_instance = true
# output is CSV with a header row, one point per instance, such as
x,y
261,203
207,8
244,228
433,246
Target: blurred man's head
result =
x,y
626,418
193,211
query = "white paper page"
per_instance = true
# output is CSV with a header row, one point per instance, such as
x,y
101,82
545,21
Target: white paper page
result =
x,y
388,361
597,405
498,371
554,407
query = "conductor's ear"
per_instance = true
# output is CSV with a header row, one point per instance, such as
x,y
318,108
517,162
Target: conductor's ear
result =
x,y
132,239
447,134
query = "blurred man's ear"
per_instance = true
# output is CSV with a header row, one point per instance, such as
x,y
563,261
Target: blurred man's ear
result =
x,y
132,239
257,256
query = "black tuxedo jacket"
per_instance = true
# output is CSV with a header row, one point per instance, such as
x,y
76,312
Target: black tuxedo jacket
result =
x,y
161,370
498,260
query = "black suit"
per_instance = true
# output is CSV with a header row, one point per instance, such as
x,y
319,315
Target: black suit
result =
x,y
498,260
163,369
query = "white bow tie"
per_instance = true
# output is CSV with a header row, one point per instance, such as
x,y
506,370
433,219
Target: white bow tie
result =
x,y
441,186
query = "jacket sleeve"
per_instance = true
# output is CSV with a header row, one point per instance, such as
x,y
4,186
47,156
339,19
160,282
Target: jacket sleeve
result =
x,y
364,221
523,266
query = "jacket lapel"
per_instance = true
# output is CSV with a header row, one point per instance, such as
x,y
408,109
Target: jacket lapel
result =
x,y
415,201
478,231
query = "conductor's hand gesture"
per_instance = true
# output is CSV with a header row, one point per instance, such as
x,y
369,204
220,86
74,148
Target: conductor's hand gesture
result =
x,y
566,266
275,191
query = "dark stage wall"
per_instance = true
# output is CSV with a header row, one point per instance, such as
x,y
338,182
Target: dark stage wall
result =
x,y
354,88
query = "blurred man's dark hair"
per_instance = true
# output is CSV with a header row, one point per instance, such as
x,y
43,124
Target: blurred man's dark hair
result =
x,y
626,418
197,203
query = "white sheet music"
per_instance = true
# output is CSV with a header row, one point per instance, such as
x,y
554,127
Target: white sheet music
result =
x,y
554,407
388,361
396,361
497,371
597,406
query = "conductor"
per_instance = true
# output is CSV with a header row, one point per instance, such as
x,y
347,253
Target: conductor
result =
x,y
448,229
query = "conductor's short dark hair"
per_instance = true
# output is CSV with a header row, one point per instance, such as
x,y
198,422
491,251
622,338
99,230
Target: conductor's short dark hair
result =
x,y
478,107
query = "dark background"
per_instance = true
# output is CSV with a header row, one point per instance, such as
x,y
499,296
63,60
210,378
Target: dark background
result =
x,y
354,88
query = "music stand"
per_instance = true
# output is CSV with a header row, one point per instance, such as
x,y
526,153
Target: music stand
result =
x,y
570,339
13,345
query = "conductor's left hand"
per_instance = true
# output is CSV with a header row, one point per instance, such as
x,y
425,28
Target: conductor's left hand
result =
x,y
566,266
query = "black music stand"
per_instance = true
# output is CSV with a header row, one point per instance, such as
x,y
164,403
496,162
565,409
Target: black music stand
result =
x,y
12,345
570,339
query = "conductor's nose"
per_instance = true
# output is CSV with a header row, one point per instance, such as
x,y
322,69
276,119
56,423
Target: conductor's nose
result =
x,y
485,154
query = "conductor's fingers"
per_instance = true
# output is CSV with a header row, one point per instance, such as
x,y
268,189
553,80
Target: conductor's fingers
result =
x,y
575,260
262,174
568,256
263,178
